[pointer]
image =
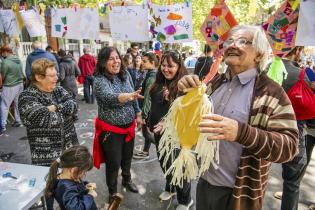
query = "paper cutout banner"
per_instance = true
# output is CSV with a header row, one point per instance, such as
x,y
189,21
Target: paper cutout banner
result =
x,y
305,35
281,29
216,27
129,23
75,23
33,23
171,23
8,23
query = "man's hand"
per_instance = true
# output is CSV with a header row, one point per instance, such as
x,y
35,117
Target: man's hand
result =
x,y
52,108
187,82
220,128
313,85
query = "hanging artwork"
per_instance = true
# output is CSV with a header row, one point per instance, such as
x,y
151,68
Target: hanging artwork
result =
x,y
216,27
171,23
181,131
306,27
280,29
75,23
8,22
33,23
126,20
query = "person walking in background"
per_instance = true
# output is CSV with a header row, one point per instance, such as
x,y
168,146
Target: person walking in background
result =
x,y
150,64
38,53
204,63
87,64
293,171
134,50
12,76
191,60
115,125
69,71
67,187
163,92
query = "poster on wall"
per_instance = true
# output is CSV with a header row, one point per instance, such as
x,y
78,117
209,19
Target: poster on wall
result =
x,y
171,23
281,27
33,23
305,35
216,27
126,20
8,22
75,23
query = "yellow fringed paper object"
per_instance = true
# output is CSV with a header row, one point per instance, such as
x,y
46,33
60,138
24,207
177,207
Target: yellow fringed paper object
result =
x,y
181,131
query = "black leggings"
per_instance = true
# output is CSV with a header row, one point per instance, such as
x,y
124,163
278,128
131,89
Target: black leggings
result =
x,y
183,194
118,153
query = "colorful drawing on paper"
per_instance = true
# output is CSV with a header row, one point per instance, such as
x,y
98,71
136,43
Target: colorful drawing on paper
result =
x,y
33,24
281,29
216,27
126,20
8,21
305,35
171,23
75,23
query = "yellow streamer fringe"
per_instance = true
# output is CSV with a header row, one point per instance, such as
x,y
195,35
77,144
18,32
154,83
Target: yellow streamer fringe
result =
x,y
181,132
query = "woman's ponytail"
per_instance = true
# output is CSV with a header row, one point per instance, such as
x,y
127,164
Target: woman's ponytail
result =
x,y
51,179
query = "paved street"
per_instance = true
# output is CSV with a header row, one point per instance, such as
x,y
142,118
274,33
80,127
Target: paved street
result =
x,y
146,174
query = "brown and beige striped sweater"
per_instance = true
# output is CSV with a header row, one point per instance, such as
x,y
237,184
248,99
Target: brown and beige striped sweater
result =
x,y
271,135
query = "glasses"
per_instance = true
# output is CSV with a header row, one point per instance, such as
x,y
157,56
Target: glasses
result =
x,y
238,42
50,75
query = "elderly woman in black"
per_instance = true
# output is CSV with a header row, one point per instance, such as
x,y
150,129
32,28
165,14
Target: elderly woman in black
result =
x,y
116,121
47,112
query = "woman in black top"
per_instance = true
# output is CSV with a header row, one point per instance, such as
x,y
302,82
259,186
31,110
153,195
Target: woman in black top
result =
x,y
163,92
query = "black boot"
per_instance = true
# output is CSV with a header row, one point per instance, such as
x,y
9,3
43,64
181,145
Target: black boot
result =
x,y
130,186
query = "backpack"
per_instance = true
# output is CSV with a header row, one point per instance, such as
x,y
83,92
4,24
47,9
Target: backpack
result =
x,y
303,99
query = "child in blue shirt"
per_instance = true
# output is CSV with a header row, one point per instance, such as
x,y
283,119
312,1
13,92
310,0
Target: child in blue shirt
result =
x,y
67,187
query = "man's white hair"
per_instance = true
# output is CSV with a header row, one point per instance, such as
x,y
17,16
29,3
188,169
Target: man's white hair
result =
x,y
259,43
36,45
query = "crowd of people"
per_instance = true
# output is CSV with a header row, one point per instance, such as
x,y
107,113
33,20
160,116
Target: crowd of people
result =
x,y
253,119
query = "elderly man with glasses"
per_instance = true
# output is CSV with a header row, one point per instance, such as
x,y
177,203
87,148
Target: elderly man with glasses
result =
x,y
253,120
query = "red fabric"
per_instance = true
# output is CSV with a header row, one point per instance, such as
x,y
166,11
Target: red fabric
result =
x,y
81,79
303,99
101,126
87,65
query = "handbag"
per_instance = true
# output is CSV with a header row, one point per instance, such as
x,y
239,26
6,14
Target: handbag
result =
x,y
303,99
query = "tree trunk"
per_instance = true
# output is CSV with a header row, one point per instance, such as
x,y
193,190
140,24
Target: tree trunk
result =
x,y
52,41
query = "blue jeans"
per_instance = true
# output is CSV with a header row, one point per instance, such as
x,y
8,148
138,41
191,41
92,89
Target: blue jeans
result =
x,y
293,172
88,89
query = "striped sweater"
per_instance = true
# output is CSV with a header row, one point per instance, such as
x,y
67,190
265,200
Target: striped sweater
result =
x,y
271,135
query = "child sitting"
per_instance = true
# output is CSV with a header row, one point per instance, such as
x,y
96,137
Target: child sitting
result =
x,y
67,187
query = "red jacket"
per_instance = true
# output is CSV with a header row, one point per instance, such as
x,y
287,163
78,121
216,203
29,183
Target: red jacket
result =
x,y
101,126
87,65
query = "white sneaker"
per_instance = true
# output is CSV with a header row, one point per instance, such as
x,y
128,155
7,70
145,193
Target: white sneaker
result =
x,y
183,207
164,196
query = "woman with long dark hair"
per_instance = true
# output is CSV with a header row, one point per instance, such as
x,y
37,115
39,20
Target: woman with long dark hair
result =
x,y
163,92
116,121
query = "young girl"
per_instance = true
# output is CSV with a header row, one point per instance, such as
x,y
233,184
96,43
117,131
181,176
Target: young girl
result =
x,y
163,92
67,187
